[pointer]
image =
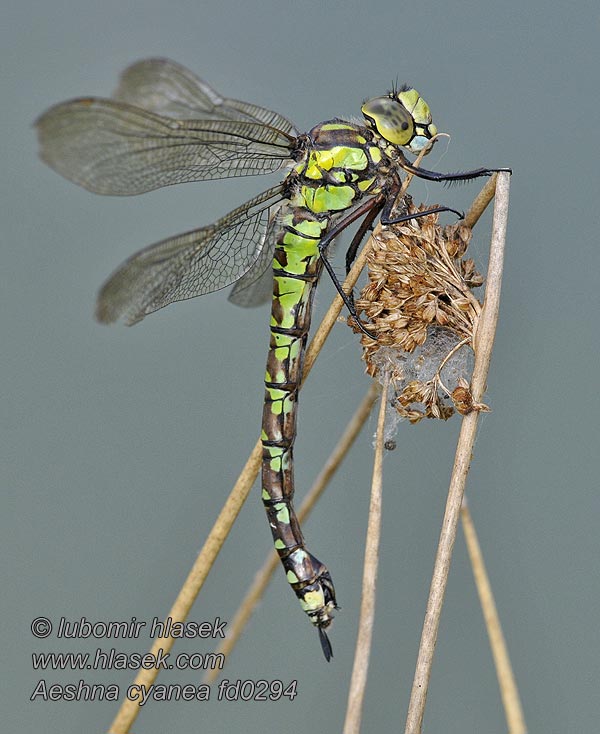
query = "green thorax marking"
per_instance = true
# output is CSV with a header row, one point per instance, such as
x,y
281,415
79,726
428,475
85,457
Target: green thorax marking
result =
x,y
341,162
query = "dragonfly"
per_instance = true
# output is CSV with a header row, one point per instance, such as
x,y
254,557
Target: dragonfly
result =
x,y
163,126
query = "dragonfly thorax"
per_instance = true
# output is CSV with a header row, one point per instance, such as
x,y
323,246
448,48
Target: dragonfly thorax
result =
x,y
340,163
402,118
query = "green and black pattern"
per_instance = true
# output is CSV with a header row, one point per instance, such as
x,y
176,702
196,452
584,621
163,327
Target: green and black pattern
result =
x,y
165,126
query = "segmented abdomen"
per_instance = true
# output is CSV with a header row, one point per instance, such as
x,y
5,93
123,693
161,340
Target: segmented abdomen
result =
x,y
296,270
337,168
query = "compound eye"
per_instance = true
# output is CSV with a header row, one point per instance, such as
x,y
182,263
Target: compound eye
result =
x,y
390,119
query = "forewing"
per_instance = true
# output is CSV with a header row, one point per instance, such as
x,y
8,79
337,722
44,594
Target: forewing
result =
x,y
190,264
167,88
111,147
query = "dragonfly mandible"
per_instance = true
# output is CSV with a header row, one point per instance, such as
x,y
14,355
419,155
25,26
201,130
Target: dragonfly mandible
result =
x,y
164,126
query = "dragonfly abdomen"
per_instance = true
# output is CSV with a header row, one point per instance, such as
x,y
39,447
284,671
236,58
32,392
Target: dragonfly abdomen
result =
x,y
337,169
296,267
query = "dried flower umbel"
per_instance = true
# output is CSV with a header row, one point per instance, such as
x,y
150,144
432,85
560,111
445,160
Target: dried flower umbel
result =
x,y
419,304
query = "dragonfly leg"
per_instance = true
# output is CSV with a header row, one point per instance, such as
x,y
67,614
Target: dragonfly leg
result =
x,y
460,176
347,299
365,226
385,208
371,208
387,219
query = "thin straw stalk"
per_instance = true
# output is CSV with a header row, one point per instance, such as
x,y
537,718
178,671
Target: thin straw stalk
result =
x,y
513,710
358,682
483,349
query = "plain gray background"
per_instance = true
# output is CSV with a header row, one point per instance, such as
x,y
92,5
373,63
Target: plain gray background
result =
x,y
119,445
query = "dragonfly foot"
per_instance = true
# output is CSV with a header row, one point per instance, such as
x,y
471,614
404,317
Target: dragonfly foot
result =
x,y
358,322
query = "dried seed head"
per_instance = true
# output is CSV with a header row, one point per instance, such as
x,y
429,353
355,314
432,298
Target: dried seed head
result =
x,y
418,302
463,399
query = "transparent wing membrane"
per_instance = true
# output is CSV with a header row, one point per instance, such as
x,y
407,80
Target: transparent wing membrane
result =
x,y
256,286
191,264
169,89
110,147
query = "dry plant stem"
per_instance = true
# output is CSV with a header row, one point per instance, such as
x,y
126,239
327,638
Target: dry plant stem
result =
x,y
366,621
262,577
194,582
506,680
483,350
480,202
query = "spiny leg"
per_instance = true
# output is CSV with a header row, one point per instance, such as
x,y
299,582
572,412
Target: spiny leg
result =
x,y
371,209
460,176
387,219
365,226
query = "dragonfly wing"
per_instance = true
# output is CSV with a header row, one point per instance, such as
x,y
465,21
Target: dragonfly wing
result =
x,y
190,264
167,88
256,286
111,147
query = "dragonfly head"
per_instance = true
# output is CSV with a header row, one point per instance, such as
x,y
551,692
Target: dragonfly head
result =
x,y
402,118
